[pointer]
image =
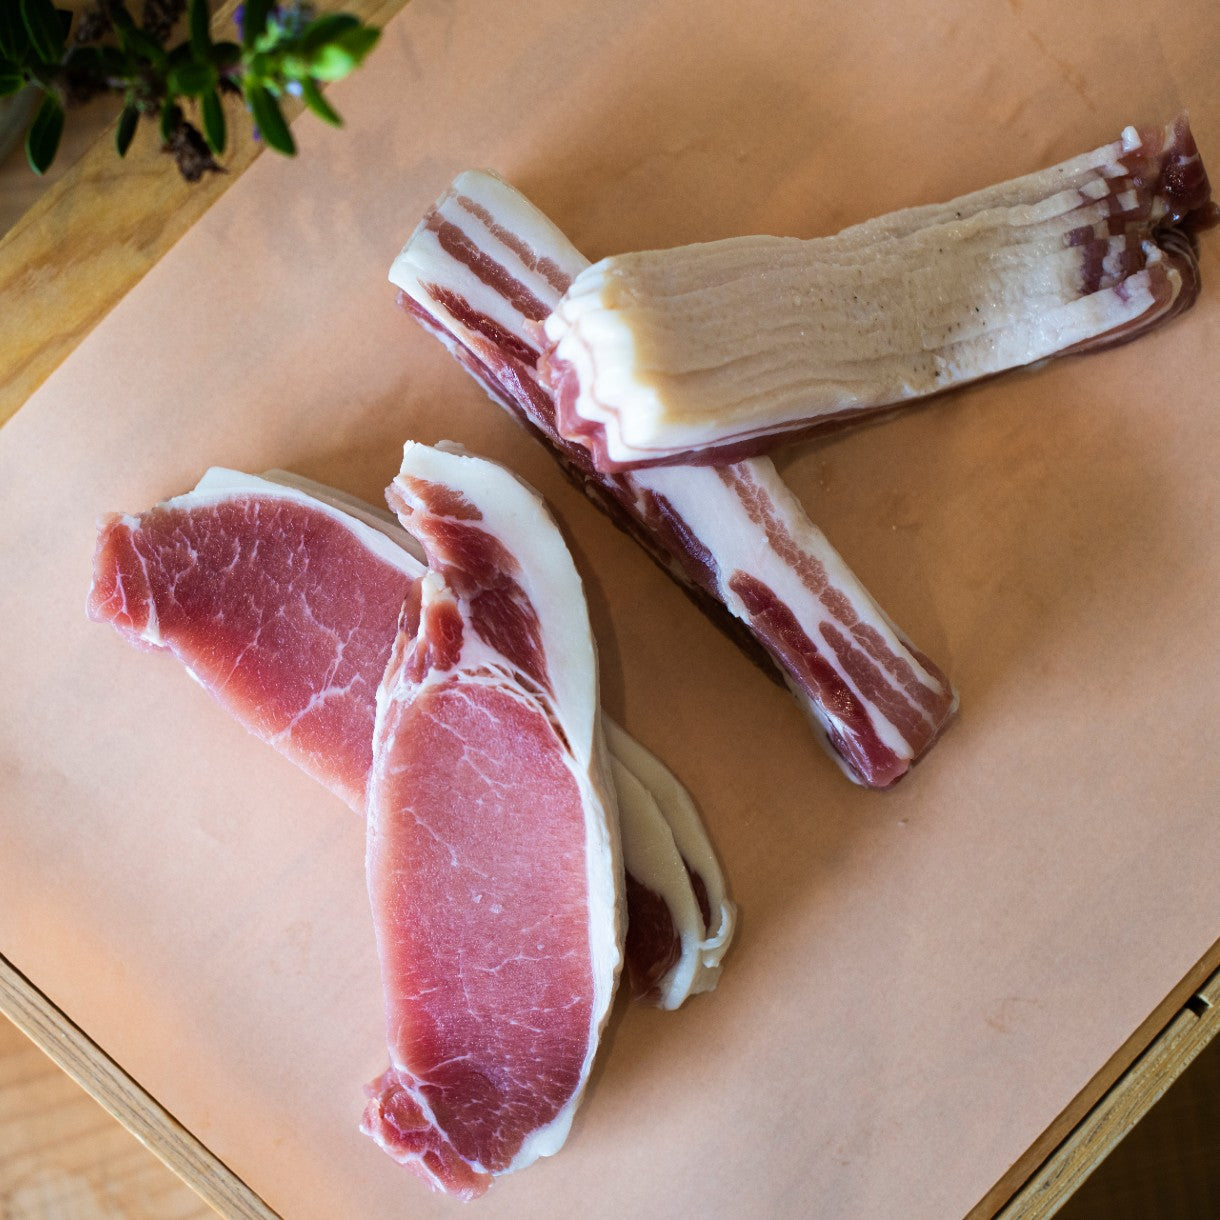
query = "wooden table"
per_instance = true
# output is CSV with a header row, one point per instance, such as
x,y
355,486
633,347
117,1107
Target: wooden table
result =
x,y
109,222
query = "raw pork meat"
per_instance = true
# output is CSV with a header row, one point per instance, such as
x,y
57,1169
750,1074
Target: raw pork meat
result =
x,y
283,608
680,921
493,860
712,352
282,598
481,272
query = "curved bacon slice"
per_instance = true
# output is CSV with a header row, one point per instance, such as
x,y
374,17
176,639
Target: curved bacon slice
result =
x,y
680,921
493,863
711,352
282,598
481,271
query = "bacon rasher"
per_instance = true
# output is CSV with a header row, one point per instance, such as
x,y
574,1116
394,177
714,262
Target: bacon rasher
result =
x,y
711,352
483,271
282,598
494,871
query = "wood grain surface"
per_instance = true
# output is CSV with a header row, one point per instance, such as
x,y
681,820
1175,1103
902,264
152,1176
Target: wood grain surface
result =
x,y
1167,1166
86,1063
1123,1106
99,229
62,1157
21,188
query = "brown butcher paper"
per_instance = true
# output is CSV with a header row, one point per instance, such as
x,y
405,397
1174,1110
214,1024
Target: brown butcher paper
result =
x,y
924,979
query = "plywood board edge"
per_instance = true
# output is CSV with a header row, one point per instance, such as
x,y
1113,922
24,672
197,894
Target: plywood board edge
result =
x,y
104,1080
1120,1107
1113,1102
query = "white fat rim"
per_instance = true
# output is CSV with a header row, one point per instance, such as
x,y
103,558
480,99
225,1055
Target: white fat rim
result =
x,y
676,807
423,261
651,856
220,484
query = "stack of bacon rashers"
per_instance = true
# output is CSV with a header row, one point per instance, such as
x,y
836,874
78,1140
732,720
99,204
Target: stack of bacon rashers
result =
x,y
437,672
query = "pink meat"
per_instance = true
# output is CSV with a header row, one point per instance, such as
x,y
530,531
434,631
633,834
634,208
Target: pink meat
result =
x,y
733,536
652,948
287,612
486,865
496,1047
282,613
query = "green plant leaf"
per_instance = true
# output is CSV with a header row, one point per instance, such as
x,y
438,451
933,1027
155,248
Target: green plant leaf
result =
x,y
325,29
201,31
254,21
213,122
293,67
11,78
270,120
126,130
171,117
14,37
312,97
42,139
191,79
336,59
258,67
43,26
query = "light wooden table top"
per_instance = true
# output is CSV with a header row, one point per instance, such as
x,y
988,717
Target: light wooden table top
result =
x,y
78,241
62,1157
